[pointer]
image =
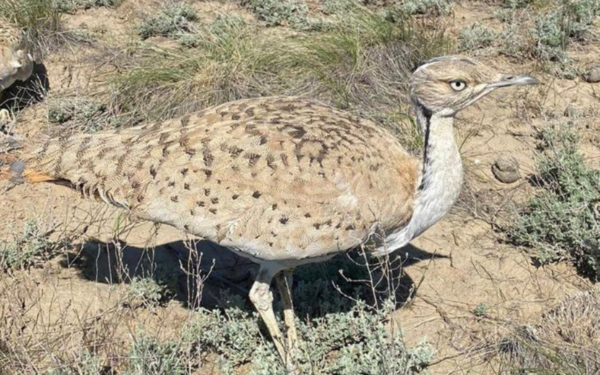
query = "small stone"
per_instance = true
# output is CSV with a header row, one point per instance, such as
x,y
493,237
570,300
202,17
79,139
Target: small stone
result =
x,y
592,74
506,169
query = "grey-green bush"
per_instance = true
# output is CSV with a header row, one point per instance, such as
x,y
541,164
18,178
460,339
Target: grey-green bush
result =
x,y
86,364
293,13
563,220
27,248
69,6
550,37
81,113
581,15
149,356
474,37
345,343
146,290
172,20
399,11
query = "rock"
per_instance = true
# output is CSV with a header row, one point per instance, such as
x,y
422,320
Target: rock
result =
x,y
506,169
592,74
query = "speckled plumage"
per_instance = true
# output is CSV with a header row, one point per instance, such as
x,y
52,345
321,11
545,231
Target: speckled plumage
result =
x,y
276,178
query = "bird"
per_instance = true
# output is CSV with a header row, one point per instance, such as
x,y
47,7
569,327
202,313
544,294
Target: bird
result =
x,y
16,60
283,181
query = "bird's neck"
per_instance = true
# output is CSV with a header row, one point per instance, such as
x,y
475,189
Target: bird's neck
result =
x,y
441,178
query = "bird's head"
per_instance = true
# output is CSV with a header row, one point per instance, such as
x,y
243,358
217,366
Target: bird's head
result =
x,y
446,85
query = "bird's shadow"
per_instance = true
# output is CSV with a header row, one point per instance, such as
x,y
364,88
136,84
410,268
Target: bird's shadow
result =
x,y
24,93
203,274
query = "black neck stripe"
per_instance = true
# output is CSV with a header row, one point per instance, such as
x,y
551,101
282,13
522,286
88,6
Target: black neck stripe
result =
x,y
426,113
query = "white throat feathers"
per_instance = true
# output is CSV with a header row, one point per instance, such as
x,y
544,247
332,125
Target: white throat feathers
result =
x,y
441,178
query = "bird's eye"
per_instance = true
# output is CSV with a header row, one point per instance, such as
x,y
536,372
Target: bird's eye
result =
x,y
458,85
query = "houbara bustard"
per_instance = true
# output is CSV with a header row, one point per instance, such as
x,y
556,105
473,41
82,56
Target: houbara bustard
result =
x,y
16,62
283,181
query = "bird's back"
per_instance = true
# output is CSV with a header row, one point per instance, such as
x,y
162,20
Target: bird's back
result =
x,y
276,178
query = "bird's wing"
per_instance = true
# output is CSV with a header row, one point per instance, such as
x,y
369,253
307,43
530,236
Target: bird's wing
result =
x,y
273,176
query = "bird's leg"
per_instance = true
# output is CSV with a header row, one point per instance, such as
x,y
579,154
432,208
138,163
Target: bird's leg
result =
x,y
262,298
284,283
5,117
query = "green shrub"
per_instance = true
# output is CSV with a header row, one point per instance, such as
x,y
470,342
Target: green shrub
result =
x,y
516,4
556,29
27,248
360,340
339,334
550,37
218,33
563,220
293,13
148,356
172,20
146,290
86,364
81,113
551,40
400,11
580,17
475,37
69,6
480,310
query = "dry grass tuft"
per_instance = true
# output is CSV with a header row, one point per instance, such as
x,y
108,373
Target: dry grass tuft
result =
x,y
564,342
41,20
361,62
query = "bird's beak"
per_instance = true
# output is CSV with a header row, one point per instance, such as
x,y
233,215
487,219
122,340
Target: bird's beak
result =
x,y
512,80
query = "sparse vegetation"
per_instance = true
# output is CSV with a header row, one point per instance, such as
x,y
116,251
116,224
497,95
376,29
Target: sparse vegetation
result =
x,y
424,7
28,248
563,220
230,62
148,356
86,364
146,290
481,310
68,6
40,19
475,37
173,20
81,113
563,342
355,64
361,339
361,335
293,13
545,31
580,16
551,37
516,4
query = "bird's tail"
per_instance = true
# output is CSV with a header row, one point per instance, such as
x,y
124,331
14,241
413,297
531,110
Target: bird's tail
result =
x,y
12,167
